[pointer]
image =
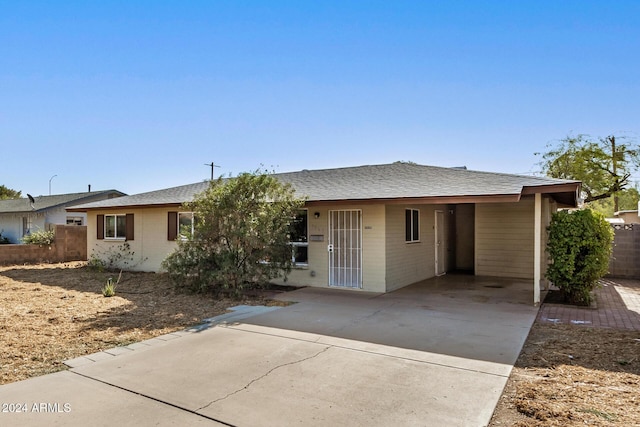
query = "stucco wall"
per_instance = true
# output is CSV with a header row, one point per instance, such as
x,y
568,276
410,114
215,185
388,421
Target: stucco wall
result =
x,y
410,262
373,253
504,236
150,243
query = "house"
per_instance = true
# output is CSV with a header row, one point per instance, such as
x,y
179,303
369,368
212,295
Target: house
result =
x,y
627,217
374,228
19,217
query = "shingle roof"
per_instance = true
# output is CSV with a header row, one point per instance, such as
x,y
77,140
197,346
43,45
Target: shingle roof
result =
x,y
42,203
388,181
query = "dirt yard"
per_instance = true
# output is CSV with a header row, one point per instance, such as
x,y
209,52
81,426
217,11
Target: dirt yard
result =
x,y
565,376
569,375
52,313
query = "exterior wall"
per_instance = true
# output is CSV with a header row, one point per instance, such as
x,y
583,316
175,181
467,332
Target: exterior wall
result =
x,y
59,216
70,245
150,243
408,263
504,236
11,227
11,224
626,252
373,254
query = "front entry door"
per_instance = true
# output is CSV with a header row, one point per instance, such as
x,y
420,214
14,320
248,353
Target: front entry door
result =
x,y
440,244
345,248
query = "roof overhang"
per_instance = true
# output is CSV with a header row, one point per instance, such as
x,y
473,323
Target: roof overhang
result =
x,y
565,194
434,200
123,207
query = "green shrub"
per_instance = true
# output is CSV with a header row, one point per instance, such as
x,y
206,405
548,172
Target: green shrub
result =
x,y
40,237
579,246
241,235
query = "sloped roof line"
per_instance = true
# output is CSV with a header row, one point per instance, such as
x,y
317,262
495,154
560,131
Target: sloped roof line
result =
x,y
43,203
369,182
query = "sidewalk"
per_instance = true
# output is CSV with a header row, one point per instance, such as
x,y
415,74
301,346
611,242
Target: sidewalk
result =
x,y
617,307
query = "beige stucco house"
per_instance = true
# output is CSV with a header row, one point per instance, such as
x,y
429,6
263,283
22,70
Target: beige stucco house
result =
x,y
374,228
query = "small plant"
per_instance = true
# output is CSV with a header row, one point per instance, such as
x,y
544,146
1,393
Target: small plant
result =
x,y
109,289
3,240
40,237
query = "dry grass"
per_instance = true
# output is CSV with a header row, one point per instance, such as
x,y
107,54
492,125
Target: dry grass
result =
x,y
52,313
570,375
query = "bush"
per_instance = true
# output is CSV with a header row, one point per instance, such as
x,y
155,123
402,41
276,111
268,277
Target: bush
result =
x,y
40,237
241,237
579,246
3,240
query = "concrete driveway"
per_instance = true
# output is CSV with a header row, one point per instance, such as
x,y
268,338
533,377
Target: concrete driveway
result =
x,y
435,353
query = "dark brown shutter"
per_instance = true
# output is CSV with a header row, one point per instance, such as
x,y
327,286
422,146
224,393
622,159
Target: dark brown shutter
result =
x,y
172,229
100,226
129,226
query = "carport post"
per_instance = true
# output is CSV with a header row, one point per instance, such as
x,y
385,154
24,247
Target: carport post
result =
x,y
537,248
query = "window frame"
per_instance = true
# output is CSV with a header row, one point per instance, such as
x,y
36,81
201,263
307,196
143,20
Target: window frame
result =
x,y
193,225
300,243
412,225
115,227
75,220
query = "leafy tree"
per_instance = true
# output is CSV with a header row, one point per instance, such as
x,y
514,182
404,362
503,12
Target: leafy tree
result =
x,y
7,193
241,235
604,166
579,247
627,200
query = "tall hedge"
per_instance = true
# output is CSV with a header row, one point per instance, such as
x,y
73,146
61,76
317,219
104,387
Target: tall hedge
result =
x,y
579,246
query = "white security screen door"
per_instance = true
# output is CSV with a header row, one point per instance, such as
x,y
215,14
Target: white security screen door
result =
x,y
345,248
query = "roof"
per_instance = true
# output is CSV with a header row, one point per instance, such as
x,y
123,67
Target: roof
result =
x,y
42,203
394,182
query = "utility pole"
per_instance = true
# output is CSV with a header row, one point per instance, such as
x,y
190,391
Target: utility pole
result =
x,y
612,140
212,166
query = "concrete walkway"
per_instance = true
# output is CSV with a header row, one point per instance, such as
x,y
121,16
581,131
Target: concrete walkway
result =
x,y
436,353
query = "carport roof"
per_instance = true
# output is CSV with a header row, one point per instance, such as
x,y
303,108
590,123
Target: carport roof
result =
x,y
399,182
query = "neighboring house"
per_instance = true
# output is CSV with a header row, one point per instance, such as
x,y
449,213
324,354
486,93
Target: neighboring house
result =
x,y
628,217
19,217
374,228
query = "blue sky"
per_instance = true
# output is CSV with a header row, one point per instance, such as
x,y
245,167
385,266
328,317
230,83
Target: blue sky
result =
x,y
139,95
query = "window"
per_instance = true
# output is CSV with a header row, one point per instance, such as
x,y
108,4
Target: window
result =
x,y
180,225
115,226
412,225
74,220
185,225
298,238
26,225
